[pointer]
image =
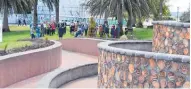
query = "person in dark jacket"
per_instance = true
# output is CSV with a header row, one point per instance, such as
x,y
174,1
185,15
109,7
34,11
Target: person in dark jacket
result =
x,y
62,29
19,22
113,31
24,22
42,30
106,29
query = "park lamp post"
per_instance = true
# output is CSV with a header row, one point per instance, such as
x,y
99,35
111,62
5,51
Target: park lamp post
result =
x,y
178,14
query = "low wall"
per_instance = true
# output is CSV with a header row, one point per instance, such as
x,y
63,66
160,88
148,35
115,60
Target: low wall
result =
x,y
20,66
171,37
132,68
82,45
60,77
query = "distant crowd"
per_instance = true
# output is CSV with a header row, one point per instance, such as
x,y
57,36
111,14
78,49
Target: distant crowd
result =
x,y
20,23
78,29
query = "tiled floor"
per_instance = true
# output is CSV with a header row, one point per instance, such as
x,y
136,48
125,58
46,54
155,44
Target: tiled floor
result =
x,y
69,60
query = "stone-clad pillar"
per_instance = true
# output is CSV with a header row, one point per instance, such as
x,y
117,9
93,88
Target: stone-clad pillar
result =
x,y
171,37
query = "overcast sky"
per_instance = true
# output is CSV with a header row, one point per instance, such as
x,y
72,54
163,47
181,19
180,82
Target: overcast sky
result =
x,y
183,4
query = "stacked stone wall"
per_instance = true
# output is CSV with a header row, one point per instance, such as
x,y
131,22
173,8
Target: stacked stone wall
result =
x,y
119,68
172,38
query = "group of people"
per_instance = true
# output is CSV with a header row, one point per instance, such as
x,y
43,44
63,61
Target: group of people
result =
x,y
42,29
20,23
78,29
105,30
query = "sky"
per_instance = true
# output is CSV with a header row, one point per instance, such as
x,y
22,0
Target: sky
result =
x,y
182,4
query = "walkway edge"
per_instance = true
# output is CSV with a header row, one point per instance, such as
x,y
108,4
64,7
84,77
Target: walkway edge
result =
x,y
59,77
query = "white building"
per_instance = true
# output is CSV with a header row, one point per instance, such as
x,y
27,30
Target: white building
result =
x,y
69,10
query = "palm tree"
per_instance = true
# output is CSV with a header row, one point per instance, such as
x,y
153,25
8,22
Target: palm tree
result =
x,y
56,4
116,8
50,4
161,6
14,6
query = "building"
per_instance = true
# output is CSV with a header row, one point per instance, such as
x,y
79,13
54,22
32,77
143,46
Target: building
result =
x,y
69,10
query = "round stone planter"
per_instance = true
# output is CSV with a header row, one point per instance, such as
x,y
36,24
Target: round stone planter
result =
x,y
132,64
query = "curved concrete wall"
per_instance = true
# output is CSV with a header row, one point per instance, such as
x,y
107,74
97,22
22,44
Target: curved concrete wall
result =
x,y
171,37
82,45
143,46
60,77
20,66
126,68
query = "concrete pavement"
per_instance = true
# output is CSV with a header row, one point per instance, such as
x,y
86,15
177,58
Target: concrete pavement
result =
x,y
69,59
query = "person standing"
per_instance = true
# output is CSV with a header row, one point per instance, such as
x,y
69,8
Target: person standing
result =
x,y
113,31
72,28
52,29
48,28
19,22
101,31
62,29
82,29
38,31
86,28
64,25
42,30
45,28
24,22
32,31
76,26
106,29
118,31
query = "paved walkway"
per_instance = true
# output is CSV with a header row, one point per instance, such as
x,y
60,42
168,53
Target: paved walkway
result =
x,y
90,82
69,59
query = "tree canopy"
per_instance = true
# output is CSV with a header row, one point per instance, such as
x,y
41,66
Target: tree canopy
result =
x,y
185,16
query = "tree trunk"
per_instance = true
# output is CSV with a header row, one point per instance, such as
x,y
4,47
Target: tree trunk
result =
x,y
134,19
120,19
161,11
100,19
35,17
106,15
57,13
140,24
130,19
5,20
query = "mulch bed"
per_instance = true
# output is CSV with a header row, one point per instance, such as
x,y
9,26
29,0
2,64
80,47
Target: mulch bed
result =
x,y
36,44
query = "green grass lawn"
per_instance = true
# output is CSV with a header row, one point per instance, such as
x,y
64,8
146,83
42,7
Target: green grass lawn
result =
x,y
22,32
10,38
143,33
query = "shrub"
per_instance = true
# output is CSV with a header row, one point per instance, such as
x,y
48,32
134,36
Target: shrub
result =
x,y
124,37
